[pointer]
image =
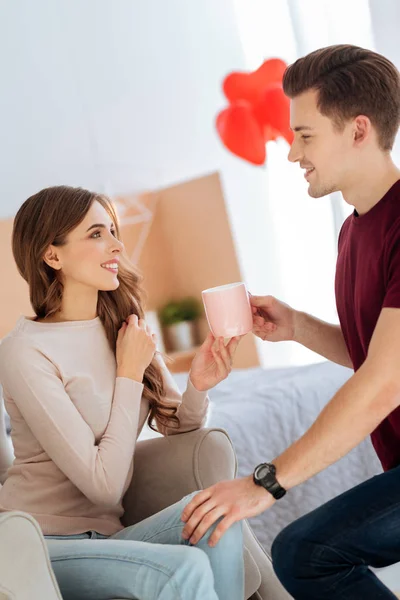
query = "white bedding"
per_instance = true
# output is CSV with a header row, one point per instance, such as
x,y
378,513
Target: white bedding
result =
x,y
264,411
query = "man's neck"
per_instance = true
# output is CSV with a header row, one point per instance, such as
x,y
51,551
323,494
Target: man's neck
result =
x,y
371,184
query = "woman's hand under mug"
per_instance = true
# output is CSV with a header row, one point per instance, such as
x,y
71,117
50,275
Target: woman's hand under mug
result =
x,y
213,362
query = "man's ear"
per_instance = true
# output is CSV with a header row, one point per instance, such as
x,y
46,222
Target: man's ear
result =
x,y
52,259
361,129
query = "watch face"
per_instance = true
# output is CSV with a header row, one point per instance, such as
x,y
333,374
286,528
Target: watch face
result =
x,y
265,475
263,471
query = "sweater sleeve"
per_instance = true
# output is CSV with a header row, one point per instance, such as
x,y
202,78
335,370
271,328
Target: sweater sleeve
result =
x,y
192,405
99,471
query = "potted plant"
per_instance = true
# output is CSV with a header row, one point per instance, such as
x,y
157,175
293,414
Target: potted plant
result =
x,y
178,319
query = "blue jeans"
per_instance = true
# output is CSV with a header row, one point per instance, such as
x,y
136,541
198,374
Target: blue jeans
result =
x,y
149,561
327,553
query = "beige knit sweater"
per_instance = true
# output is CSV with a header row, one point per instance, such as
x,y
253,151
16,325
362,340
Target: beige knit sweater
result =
x,y
75,424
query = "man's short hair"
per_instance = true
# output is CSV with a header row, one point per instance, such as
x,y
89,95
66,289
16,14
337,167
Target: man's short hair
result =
x,y
350,81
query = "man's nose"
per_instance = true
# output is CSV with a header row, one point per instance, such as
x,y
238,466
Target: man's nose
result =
x,y
294,153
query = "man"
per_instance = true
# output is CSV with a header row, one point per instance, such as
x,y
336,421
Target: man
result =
x,y
345,112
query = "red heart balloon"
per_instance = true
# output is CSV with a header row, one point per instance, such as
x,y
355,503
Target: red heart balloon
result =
x,y
273,110
271,71
270,134
241,133
250,86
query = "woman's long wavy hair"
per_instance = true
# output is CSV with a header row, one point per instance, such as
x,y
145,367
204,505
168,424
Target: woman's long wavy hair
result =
x,y
47,218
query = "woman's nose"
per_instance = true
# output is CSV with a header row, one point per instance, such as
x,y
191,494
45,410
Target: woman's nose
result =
x,y
117,245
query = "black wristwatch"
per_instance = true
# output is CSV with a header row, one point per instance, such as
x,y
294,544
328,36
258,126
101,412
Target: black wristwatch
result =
x,y
265,475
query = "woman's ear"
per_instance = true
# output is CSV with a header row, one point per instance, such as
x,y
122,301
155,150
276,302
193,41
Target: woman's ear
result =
x,y
52,259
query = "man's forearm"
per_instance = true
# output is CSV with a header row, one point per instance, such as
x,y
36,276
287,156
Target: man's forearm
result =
x,y
321,337
352,414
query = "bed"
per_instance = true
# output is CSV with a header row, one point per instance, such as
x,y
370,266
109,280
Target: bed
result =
x,y
264,411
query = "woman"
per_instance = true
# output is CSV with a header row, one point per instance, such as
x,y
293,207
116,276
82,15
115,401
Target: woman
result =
x,y
79,382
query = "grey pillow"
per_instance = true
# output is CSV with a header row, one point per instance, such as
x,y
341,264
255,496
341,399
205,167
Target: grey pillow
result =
x,y
7,418
8,424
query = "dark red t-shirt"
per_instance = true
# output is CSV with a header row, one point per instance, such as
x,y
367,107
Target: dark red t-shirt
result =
x,y
367,280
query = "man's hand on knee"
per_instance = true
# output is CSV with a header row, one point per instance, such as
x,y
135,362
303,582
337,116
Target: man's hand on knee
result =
x,y
233,500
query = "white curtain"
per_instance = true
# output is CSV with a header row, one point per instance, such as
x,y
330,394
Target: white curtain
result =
x,y
304,229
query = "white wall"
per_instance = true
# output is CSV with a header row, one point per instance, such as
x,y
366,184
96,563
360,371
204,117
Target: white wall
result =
x,y
385,16
119,95
122,96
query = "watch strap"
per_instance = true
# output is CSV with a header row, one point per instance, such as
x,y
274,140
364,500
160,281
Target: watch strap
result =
x,y
273,487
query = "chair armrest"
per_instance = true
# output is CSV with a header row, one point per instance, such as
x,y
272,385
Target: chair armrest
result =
x,y
25,570
168,468
269,588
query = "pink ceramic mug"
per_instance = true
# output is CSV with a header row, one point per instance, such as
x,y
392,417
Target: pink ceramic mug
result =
x,y
228,310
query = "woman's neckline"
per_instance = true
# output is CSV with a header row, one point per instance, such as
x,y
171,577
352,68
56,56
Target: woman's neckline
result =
x,y
60,324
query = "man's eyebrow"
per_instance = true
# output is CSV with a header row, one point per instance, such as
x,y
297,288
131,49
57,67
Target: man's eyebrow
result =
x,y
302,128
99,225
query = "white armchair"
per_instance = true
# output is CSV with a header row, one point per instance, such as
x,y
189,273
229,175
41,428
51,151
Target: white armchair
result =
x,y
185,463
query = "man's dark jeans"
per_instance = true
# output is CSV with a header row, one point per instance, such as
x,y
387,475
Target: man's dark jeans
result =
x,y
327,554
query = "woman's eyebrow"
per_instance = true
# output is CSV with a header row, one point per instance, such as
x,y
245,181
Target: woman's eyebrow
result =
x,y
101,225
